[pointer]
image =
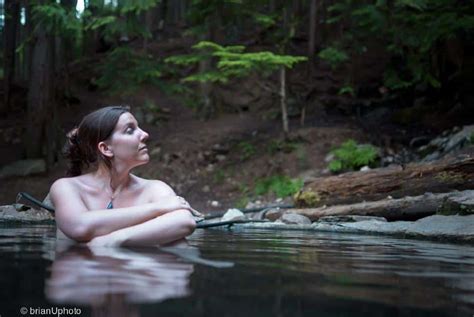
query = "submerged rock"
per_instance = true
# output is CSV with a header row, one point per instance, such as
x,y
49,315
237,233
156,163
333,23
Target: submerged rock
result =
x,y
450,228
349,218
460,228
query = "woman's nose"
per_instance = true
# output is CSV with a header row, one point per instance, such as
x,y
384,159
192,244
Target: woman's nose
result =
x,y
144,136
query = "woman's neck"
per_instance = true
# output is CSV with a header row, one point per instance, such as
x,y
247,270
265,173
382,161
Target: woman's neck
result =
x,y
115,178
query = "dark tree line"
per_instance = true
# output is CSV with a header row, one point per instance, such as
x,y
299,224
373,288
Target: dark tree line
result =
x,y
425,43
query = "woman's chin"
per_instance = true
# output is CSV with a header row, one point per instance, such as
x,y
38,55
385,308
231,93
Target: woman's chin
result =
x,y
144,159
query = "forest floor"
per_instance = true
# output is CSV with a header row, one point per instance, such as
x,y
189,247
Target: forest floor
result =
x,y
214,160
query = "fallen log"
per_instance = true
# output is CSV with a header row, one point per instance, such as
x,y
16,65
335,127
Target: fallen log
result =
x,y
414,179
407,208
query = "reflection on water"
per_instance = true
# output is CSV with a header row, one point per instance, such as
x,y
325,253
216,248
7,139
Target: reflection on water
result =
x,y
111,280
267,273
80,275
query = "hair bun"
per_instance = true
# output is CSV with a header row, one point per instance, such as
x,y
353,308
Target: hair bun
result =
x,y
73,136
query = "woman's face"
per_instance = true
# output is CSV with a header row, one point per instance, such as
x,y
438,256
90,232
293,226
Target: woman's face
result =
x,y
127,142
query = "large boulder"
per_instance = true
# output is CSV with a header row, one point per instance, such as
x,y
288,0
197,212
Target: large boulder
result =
x,y
462,204
447,142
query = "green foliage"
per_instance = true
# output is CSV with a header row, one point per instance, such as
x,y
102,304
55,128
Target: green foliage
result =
x,y
115,20
57,20
302,156
242,202
219,176
333,56
306,199
351,156
348,89
285,145
280,185
232,62
264,20
125,70
411,30
98,22
244,198
247,150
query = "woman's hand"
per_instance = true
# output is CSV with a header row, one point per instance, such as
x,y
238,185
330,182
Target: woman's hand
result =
x,y
171,203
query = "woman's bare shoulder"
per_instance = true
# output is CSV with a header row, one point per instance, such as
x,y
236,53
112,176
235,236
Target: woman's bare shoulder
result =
x,y
69,182
66,191
61,183
155,187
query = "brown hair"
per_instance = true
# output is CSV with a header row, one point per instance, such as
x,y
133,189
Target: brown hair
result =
x,y
81,148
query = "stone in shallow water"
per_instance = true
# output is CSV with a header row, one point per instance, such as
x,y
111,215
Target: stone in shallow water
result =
x,y
349,218
273,214
460,228
295,219
233,214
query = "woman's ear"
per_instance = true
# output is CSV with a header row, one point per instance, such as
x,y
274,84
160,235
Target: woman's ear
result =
x,y
105,149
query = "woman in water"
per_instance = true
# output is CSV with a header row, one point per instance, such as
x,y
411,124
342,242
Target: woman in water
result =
x,y
111,206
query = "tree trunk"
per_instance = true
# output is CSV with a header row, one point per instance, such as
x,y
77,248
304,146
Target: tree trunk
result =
x,y
407,208
312,35
284,112
64,53
40,94
207,110
11,13
288,33
415,179
149,27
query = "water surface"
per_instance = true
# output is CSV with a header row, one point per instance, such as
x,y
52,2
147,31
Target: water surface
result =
x,y
238,273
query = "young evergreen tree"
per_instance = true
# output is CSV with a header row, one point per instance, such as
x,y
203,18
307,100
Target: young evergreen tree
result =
x,y
234,62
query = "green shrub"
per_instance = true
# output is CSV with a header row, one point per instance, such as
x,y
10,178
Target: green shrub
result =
x,y
347,89
246,149
280,185
242,202
333,56
351,156
285,146
219,176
